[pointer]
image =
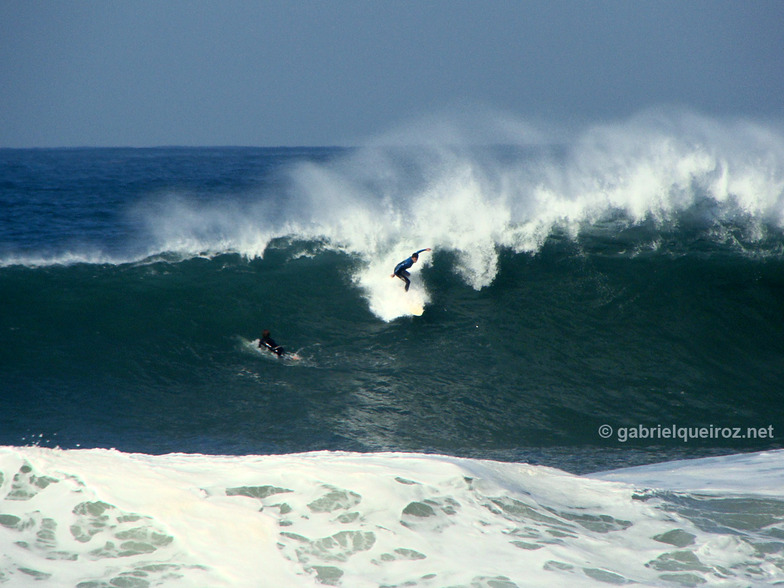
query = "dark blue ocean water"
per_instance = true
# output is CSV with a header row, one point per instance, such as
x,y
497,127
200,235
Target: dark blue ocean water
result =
x,y
566,290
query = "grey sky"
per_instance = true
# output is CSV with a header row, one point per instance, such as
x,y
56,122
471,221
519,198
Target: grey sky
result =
x,y
230,72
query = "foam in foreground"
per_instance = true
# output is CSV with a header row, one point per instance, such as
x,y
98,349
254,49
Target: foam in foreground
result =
x,y
94,518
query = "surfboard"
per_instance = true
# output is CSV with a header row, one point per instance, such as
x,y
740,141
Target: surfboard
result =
x,y
416,309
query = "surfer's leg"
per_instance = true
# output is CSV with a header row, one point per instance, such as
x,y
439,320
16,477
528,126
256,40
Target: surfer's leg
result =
x,y
404,276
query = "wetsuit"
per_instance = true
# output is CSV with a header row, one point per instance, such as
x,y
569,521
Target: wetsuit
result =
x,y
267,342
401,268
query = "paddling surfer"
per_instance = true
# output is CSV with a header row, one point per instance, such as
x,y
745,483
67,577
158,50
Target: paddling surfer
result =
x,y
267,341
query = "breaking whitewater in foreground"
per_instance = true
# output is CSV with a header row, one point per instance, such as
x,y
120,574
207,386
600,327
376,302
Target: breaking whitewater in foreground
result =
x,y
100,518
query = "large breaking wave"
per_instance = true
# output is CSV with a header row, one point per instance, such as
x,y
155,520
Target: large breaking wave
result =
x,y
474,190
663,172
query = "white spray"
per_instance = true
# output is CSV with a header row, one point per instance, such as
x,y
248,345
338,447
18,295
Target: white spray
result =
x,y
383,202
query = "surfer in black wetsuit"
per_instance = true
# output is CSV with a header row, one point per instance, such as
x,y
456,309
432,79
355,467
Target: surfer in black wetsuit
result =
x,y
401,269
266,341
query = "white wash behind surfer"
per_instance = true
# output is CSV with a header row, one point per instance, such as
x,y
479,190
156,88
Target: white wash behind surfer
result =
x,y
401,269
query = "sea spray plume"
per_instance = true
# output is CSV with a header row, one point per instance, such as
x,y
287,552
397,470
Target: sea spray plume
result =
x,y
654,165
362,205
332,203
408,198
381,202
185,226
651,167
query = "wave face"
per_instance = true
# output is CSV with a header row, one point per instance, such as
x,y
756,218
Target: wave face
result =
x,y
94,517
627,274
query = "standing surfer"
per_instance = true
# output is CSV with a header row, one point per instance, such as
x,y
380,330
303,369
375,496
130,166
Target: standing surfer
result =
x,y
401,269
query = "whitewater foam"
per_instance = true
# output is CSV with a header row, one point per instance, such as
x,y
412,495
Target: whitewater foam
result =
x,y
101,517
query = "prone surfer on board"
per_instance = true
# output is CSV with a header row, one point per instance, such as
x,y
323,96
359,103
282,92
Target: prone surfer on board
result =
x,y
266,341
401,268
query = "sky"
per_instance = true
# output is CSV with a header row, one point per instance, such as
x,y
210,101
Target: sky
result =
x,y
306,73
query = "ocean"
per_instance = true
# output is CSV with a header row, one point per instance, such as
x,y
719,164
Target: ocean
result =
x,y
599,310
